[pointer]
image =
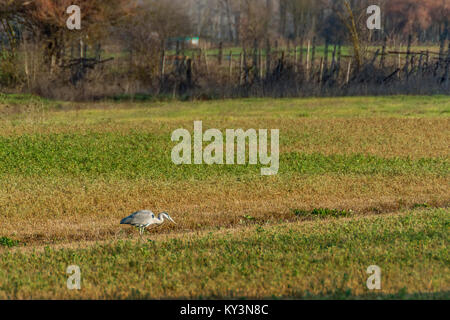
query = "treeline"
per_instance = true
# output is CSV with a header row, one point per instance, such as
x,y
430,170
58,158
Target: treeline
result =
x,y
246,48
233,20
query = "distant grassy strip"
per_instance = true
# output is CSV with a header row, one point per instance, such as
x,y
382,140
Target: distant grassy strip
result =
x,y
342,107
313,259
148,155
20,98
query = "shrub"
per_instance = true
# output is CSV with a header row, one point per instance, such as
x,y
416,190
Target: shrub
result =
x,y
323,213
7,242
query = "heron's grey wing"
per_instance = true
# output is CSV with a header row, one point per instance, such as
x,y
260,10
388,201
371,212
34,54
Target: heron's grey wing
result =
x,y
140,218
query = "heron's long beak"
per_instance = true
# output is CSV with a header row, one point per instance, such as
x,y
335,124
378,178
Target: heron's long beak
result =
x,y
172,220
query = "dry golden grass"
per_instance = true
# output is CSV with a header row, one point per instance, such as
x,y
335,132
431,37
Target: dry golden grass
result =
x,y
40,210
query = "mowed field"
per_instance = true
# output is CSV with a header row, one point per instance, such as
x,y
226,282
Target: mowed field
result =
x,y
362,181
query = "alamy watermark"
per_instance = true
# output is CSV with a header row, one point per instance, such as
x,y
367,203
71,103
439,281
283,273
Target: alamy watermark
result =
x,y
374,281
74,20
74,279
214,152
374,21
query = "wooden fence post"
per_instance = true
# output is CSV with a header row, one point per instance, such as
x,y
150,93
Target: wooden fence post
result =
x,y
268,58
230,66
301,52
177,54
338,71
260,62
245,67
313,55
162,68
255,60
348,71
408,54
205,54
325,59
189,72
307,60
333,61
322,62
241,62
219,57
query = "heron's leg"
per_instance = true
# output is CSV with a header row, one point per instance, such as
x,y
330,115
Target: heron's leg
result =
x,y
140,232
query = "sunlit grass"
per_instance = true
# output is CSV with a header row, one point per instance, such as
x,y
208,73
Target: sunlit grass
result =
x,y
148,155
303,260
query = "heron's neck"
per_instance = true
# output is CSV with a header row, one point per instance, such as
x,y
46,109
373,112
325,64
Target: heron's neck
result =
x,y
160,218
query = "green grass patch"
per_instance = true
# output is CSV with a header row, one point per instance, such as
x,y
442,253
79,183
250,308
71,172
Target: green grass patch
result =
x,y
7,242
147,155
22,98
323,213
301,260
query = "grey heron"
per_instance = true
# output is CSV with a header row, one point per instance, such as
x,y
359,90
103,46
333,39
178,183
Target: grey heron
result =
x,y
144,218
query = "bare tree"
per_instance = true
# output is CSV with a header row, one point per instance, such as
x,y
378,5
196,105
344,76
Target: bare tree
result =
x,y
349,20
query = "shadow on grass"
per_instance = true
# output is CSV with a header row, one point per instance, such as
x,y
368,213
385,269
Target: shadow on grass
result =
x,y
336,295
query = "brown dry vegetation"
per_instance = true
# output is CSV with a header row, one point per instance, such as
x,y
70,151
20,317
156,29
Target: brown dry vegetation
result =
x,y
41,211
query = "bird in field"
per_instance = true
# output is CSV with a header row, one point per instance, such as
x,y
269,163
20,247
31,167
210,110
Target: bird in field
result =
x,y
145,218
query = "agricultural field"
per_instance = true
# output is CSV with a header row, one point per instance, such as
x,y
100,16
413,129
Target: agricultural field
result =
x,y
362,181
